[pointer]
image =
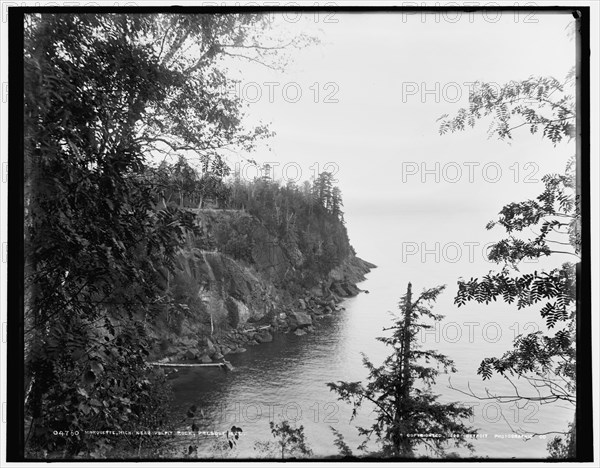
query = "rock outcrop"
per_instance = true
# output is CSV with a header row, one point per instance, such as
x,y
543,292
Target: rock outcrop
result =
x,y
234,301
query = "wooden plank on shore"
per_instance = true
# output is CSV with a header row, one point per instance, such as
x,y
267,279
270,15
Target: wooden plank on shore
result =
x,y
226,364
177,364
250,330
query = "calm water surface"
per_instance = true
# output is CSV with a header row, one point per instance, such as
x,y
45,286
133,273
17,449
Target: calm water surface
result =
x,y
286,379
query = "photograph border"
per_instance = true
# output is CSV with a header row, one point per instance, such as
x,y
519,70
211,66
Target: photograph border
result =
x,y
15,267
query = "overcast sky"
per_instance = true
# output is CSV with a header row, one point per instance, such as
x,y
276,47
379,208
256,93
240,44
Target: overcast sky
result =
x,y
384,79
387,79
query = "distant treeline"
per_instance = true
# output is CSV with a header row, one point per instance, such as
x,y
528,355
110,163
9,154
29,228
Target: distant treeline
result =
x,y
307,218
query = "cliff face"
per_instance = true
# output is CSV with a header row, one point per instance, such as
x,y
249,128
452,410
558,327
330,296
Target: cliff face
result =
x,y
248,284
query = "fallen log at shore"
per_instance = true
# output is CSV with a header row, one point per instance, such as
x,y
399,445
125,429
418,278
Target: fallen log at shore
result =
x,y
225,364
255,329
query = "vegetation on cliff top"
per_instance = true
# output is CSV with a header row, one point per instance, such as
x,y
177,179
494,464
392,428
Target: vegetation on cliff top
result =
x,y
306,221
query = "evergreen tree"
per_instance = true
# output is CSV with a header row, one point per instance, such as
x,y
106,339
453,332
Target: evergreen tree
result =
x,y
322,190
336,203
401,389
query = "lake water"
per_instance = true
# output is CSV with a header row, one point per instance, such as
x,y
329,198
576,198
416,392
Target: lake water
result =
x,y
286,379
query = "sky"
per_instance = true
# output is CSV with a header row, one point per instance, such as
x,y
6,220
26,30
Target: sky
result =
x,y
370,95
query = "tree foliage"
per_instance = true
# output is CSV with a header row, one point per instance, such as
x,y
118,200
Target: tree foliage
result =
x,y
343,448
538,103
409,414
289,441
545,360
302,223
101,93
183,185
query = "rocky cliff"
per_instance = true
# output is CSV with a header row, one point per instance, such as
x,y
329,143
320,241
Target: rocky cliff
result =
x,y
239,283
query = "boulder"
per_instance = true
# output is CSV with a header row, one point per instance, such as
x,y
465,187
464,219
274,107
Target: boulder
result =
x,y
299,332
210,345
351,289
225,350
300,319
189,355
218,357
263,337
205,359
238,312
302,303
188,341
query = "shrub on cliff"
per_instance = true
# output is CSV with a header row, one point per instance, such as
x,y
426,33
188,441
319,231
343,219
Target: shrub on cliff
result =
x,y
235,237
233,314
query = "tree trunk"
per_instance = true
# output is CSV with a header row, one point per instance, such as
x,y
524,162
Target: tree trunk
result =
x,y
403,445
572,447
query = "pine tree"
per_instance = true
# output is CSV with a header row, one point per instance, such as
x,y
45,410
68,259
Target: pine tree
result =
x,y
322,190
401,389
336,203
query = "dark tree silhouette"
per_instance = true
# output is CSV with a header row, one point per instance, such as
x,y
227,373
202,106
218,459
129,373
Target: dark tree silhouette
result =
x,y
400,389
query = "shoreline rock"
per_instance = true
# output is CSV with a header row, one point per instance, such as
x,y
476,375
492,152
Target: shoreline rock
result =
x,y
300,317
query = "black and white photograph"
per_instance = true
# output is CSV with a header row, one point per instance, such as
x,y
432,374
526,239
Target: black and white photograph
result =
x,y
298,232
